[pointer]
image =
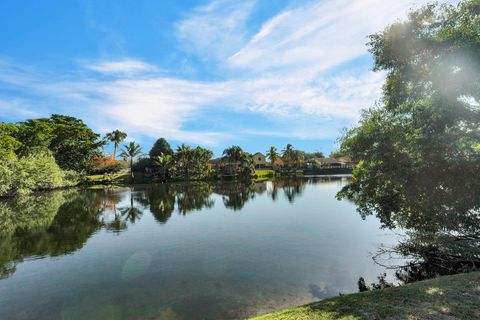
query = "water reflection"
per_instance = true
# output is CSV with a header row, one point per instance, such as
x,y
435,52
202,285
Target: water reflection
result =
x,y
59,223
224,250
51,224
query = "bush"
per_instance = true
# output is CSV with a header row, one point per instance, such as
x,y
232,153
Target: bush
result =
x,y
6,176
37,171
102,165
72,178
141,164
34,172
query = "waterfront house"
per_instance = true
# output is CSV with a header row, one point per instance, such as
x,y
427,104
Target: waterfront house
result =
x,y
260,160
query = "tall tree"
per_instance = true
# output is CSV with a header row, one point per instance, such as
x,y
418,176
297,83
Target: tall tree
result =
x,y
419,151
163,166
183,157
8,143
161,147
239,161
233,153
272,155
131,151
288,154
116,137
71,141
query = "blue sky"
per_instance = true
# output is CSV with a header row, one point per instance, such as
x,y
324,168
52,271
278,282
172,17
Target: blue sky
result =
x,y
214,73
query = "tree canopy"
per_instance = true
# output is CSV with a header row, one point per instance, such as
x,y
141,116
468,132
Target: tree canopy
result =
x,y
71,141
419,149
161,147
116,136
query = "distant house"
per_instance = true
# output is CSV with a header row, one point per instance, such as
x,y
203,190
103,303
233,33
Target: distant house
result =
x,y
330,162
259,160
348,161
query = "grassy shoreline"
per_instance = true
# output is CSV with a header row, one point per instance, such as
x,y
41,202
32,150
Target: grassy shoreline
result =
x,y
450,298
125,178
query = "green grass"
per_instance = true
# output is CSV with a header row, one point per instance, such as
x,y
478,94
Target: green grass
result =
x,y
264,174
448,298
114,178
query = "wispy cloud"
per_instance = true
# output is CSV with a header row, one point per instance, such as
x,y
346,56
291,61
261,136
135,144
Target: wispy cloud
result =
x,y
294,72
318,35
126,66
216,29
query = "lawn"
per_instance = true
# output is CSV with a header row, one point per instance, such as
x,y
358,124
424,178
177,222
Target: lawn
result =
x,y
450,298
264,174
113,178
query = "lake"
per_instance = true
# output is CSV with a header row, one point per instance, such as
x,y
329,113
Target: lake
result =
x,y
182,251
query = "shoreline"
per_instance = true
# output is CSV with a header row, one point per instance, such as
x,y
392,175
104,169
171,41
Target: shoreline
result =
x,y
446,297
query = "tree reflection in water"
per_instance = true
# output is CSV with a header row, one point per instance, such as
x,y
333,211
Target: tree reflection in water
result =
x,y
61,222
50,224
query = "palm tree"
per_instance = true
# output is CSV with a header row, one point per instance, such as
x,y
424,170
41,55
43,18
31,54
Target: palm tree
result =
x,y
273,155
247,165
116,136
131,151
131,213
233,154
183,156
288,154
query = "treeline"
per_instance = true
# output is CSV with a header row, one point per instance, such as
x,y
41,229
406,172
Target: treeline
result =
x,y
61,151
44,154
419,149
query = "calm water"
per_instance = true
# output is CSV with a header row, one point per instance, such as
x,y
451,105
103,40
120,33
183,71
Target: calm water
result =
x,y
186,251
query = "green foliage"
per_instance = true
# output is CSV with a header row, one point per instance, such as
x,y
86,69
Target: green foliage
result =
x,y
71,142
6,176
161,147
418,153
292,158
34,135
272,155
131,151
34,172
422,300
8,143
337,154
116,136
239,162
52,223
192,163
164,166
313,155
288,154
142,164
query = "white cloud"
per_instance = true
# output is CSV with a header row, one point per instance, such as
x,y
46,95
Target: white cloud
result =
x,y
291,71
319,35
217,29
127,66
160,106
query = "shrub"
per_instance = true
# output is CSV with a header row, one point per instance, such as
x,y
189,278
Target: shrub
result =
x,y
102,165
37,171
72,178
34,172
141,164
6,176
